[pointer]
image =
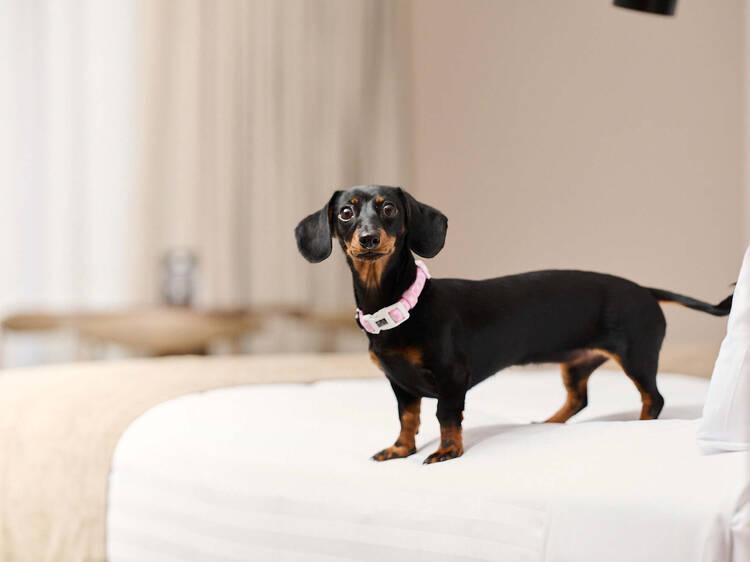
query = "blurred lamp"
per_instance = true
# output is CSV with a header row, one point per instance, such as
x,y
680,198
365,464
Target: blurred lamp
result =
x,y
178,273
665,7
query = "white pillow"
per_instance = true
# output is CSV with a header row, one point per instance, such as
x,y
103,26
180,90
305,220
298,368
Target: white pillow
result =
x,y
725,425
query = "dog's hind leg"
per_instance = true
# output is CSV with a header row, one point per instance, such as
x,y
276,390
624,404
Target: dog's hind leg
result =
x,y
640,359
575,376
641,365
641,369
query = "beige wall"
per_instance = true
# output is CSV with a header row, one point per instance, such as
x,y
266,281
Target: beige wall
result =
x,y
578,135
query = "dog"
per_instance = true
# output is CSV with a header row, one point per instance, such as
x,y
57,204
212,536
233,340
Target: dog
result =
x,y
440,337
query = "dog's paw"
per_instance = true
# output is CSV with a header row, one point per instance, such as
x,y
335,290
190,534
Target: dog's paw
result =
x,y
444,454
396,451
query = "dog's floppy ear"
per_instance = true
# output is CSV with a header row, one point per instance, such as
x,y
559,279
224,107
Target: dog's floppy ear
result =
x,y
314,233
426,227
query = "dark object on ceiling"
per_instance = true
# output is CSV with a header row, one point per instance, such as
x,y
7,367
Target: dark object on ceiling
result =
x,y
664,7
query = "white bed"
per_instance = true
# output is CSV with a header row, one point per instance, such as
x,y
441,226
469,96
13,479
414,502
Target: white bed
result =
x,y
282,472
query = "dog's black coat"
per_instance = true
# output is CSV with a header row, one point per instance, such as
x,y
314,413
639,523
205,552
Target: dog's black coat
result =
x,y
462,331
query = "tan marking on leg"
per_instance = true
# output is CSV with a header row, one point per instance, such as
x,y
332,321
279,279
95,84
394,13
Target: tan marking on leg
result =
x,y
451,445
646,401
646,406
410,424
574,400
405,444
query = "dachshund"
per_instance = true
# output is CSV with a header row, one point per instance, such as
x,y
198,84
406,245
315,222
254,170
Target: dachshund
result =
x,y
440,337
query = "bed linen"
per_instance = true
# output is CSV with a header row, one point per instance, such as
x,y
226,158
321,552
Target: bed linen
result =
x,y
282,472
59,426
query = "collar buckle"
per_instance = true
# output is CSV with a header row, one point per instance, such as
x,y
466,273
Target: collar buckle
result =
x,y
397,313
383,319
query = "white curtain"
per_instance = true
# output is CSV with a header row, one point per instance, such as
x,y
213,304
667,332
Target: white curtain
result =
x,y
67,157
132,127
66,153
253,113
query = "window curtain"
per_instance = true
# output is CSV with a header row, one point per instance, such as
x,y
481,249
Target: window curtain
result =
x,y
133,127
66,153
67,163
253,112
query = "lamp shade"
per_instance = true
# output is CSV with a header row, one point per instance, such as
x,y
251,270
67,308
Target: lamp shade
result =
x,y
664,7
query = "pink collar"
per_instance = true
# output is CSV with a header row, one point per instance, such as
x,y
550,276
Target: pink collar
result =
x,y
396,314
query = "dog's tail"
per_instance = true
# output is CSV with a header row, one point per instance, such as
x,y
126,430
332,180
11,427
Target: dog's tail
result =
x,y
721,309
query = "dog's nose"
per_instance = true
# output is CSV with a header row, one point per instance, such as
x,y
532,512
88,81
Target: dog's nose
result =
x,y
369,240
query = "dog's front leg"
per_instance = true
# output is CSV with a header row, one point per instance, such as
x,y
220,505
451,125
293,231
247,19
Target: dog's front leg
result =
x,y
451,440
450,415
408,413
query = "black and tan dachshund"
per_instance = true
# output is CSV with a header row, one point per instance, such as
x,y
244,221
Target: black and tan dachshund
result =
x,y
459,332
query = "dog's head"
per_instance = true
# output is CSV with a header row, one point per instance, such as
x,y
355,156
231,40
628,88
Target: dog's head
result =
x,y
372,222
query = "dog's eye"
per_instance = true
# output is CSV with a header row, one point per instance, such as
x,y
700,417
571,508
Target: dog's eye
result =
x,y
346,214
389,210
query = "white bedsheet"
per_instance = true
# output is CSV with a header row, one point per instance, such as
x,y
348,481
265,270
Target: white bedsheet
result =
x,y
282,472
